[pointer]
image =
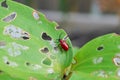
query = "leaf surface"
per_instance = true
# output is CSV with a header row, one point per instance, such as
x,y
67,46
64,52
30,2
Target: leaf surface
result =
x,y
99,59
29,43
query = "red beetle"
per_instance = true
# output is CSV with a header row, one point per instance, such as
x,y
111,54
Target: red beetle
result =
x,y
63,43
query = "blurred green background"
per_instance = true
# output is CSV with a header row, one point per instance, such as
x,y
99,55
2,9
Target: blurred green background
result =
x,y
81,19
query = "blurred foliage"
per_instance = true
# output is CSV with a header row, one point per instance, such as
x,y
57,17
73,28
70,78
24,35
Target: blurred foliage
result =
x,y
109,5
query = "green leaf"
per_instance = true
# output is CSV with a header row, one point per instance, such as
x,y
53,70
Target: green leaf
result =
x,y
77,75
4,76
99,59
29,44
75,50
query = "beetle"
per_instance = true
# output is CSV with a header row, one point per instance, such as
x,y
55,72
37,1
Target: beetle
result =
x,y
63,44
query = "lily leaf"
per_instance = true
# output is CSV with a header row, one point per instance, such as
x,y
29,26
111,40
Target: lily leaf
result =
x,y
29,44
5,76
99,59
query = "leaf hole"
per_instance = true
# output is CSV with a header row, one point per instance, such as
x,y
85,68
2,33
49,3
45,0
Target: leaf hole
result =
x,y
45,36
10,17
16,32
36,15
7,62
25,36
116,61
47,62
100,48
28,63
4,4
45,50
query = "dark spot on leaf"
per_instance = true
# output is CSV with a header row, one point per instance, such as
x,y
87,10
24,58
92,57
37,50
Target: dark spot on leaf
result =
x,y
28,63
7,62
47,61
26,33
46,37
45,50
67,76
4,4
25,36
10,17
1,72
100,48
64,77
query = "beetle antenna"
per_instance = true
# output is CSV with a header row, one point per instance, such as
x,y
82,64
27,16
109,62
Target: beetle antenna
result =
x,y
65,37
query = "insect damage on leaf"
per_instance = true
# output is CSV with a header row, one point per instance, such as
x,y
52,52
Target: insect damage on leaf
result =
x,y
53,44
33,66
45,36
50,71
100,48
104,53
10,17
4,4
9,63
16,32
15,49
100,73
27,43
116,60
97,60
27,63
36,15
44,50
